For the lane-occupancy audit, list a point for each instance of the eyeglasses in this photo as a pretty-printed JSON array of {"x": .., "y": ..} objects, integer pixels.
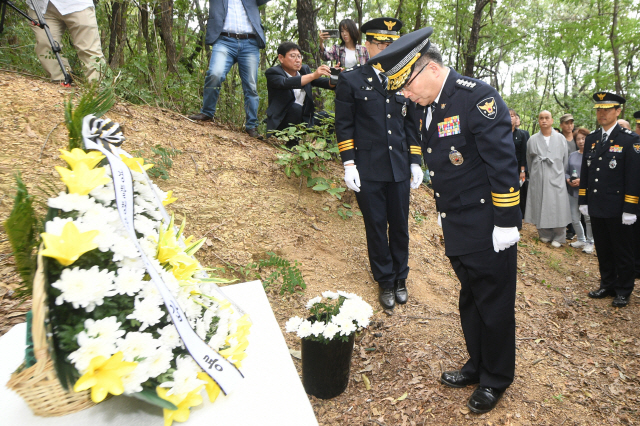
[
  {"x": 414, "y": 77},
  {"x": 294, "y": 56},
  {"x": 380, "y": 45}
]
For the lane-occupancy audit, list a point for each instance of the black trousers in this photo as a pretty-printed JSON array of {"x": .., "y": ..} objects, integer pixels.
[
  {"x": 636, "y": 237},
  {"x": 487, "y": 314},
  {"x": 616, "y": 258},
  {"x": 523, "y": 195},
  {"x": 382, "y": 204}
]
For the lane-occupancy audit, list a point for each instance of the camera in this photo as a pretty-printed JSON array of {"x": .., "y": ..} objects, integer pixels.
[{"x": 332, "y": 33}]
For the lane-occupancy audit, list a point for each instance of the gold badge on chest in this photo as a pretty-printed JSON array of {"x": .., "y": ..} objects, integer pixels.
[{"x": 455, "y": 157}]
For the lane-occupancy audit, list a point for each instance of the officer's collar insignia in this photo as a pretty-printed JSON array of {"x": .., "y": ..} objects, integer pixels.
[
  {"x": 370, "y": 79},
  {"x": 390, "y": 24},
  {"x": 601, "y": 95},
  {"x": 378, "y": 67},
  {"x": 488, "y": 108},
  {"x": 465, "y": 83},
  {"x": 442, "y": 106},
  {"x": 636, "y": 146}
]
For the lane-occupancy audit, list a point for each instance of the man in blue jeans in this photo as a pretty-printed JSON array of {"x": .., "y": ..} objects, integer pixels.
[{"x": 236, "y": 35}]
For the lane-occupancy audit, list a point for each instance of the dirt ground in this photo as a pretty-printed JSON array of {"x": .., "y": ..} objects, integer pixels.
[{"x": 578, "y": 360}]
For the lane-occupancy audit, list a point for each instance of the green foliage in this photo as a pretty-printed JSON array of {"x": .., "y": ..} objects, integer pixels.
[
  {"x": 418, "y": 217},
  {"x": 330, "y": 186},
  {"x": 347, "y": 212},
  {"x": 162, "y": 161},
  {"x": 23, "y": 229},
  {"x": 284, "y": 273},
  {"x": 95, "y": 100}
]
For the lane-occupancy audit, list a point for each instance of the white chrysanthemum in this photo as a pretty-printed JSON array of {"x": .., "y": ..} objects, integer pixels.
[
  {"x": 147, "y": 311},
  {"x": 190, "y": 308},
  {"x": 220, "y": 336},
  {"x": 149, "y": 246},
  {"x": 172, "y": 283},
  {"x": 313, "y": 301},
  {"x": 317, "y": 328},
  {"x": 106, "y": 328},
  {"x": 143, "y": 190},
  {"x": 169, "y": 336},
  {"x": 137, "y": 346},
  {"x": 129, "y": 281},
  {"x": 159, "y": 362},
  {"x": 342, "y": 319},
  {"x": 293, "y": 324},
  {"x": 69, "y": 202},
  {"x": 131, "y": 263},
  {"x": 123, "y": 247},
  {"x": 106, "y": 237},
  {"x": 185, "y": 378},
  {"x": 330, "y": 294},
  {"x": 358, "y": 310},
  {"x": 348, "y": 295},
  {"x": 330, "y": 330},
  {"x": 151, "y": 292},
  {"x": 347, "y": 328},
  {"x": 84, "y": 288},
  {"x": 102, "y": 216},
  {"x": 305, "y": 329},
  {"x": 104, "y": 193},
  {"x": 146, "y": 226},
  {"x": 56, "y": 225},
  {"x": 133, "y": 381},
  {"x": 89, "y": 349}
]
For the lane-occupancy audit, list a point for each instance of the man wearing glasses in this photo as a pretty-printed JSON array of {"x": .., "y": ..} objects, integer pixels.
[
  {"x": 378, "y": 142},
  {"x": 468, "y": 147}
]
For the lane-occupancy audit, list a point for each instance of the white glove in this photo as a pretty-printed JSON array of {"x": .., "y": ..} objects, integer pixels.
[
  {"x": 352, "y": 178},
  {"x": 439, "y": 220},
  {"x": 503, "y": 238},
  {"x": 628, "y": 218},
  {"x": 584, "y": 209},
  {"x": 417, "y": 174}
]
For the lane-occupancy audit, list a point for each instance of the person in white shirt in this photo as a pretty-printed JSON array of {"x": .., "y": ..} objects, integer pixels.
[{"x": 79, "y": 17}]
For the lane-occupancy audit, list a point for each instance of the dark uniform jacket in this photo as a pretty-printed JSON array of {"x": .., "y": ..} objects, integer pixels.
[
  {"x": 470, "y": 153},
  {"x": 610, "y": 174},
  {"x": 280, "y": 87},
  {"x": 376, "y": 129},
  {"x": 218, "y": 14}
]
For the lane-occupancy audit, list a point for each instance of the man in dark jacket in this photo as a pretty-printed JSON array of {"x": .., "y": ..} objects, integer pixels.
[
  {"x": 236, "y": 35},
  {"x": 289, "y": 85},
  {"x": 520, "y": 138}
]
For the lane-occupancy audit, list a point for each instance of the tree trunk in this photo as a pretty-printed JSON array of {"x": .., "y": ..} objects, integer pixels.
[
  {"x": 164, "y": 22},
  {"x": 472, "y": 45},
  {"x": 358, "y": 4},
  {"x": 419, "y": 16},
  {"x": 307, "y": 30},
  {"x": 144, "y": 23}
]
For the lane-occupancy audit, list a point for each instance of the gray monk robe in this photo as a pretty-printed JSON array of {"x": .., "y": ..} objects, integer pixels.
[{"x": 547, "y": 198}]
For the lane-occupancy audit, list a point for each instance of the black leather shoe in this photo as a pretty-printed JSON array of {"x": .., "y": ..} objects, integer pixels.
[
  {"x": 620, "y": 301},
  {"x": 484, "y": 399},
  {"x": 400, "y": 290},
  {"x": 601, "y": 293},
  {"x": 254, "y": 133},
  {"x": 200, "y": 117},
  {"x": 456, "y": 379},
  {"x": 387, "y": 298}
]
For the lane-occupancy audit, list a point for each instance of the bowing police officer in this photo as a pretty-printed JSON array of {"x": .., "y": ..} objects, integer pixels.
[
  {"x": 609, "y": 193},
  {"x": 468, "y": 147},
  {"x": 378, "y": 142},
  {"x": 636, "y": 115}
]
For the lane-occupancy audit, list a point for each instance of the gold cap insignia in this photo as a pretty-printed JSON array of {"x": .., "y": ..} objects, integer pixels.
[
  {"x": 390, "y": 24},
  {"x": 601, "y": 95},
  {"x": 378, "y": 67}
]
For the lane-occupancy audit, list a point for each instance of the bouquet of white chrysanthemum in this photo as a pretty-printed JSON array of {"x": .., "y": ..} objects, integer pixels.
[
  {"x": 111, "y": 330},
  {"x": 336, "y": 317}
]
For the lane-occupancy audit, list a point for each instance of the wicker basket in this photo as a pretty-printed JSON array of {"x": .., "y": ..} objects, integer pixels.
[{"x": 38, "y": 385}]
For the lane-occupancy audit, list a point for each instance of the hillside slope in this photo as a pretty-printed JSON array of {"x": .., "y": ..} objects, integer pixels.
[{"x": 578, "y": 359}]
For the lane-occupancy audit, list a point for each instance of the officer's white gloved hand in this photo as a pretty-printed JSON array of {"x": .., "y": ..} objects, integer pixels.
[
  {"x": 629, "y": 219},
  {"x": 503, "y": 238},
  {"x": 417, "y": 175},
  {"x": 584, "y": 209},
  {"x": 439, "y": 220},
  {"x": 352, "y": 178}
]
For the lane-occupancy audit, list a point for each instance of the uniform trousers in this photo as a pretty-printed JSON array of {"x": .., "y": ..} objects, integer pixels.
[
  {"x": 636, "y": 236},
  {"x": 85, "y": 36},
  {"x": 615, "y": 249},
  {"x": 385, "y": 203},
  {"x": 487, "y": 314}
]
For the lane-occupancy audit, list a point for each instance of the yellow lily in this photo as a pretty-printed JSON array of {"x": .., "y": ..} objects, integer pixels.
[
  {"x": 183, "y": 266},
  {"x": 135, "y": 164},
  {"x": 183, "y": 402},
  {"x": 82, "y": 180},
  {"x": 79, "y": 156},
  {"x": 212, "y": 388},
  {"x": 169, "y": 199},
  {"x": 235, "y": 354},
  {"x": 168, "y": 246},
  {"x": 69, "y": 246},
  {"x": 105, "y": 376}
]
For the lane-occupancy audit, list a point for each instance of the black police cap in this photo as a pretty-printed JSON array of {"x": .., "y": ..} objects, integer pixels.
[
  {"x": 636, "y": 115},
  {"x": 607, "y": 100},
  {"x": 398, "y": 60},
  {"x": 386, "y": 30}
]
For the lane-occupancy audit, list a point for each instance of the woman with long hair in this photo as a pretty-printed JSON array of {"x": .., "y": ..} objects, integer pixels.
[{"x": 349, "y": 52}]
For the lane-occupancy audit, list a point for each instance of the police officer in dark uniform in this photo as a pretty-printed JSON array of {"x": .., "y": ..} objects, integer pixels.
[
  {"x": 378, "y": 141},
  {"x": 636, "y": 115},
  {"x": 636, "y": 226},
  {"x": 609, "y": 191},
  {"x": 468, "y": 147}
]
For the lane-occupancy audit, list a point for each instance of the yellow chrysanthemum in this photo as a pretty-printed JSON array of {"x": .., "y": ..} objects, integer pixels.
[
  {"x": 79, "y": 156},
  {"x": 105, "y": 376},
  {"x": 169, "y": 199},
  {"x": 69, "y": 246},
  {"x": 183, "y": 402},
  {"x": 82, "y": 180},
  {"x": 135, "y": 164},
  {"x": 212, "y": 388}
]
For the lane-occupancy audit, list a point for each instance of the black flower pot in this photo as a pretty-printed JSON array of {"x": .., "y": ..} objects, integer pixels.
[{"x": 325, "y": 366}]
